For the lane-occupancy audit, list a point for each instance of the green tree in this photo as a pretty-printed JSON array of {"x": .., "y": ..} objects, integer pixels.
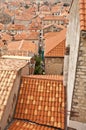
[
  {"x": 38, "y": 68},
  {"x": 26, "y": 6}
]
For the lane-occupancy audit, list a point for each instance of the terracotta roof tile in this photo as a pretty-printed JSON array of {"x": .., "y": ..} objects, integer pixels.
[
  {"x": 7, "y": 11},
  {"x": 22, "y": 125},
  {"x": 23, "y": 46},
  {"x": 24, "y": 16},
  {"x": 27, "y": 36},
  {"x": 41, "y": 101},
  {"x": 49, "y": 34},
  {"x": 44, "y": 8},
  {"x": 1, "y": 44},
  {"x": 21, "y": 36},
  {"x": 16, "y": 27},
  {"x": 13, "y": 45},
  {"x": 51, "y": 77},
  {"x": 51, "y": 17},
  {"x": 33, "y": 35},
  {"x": 1, "y": 26},
  {"x": 82, "y": 12},
  {"x": 29, "y": 46},
  {"x": 27, "y": 2},
  {"x": 56, "y": 8},
  {"x": 35, "y": 26},
  {"x": 55, "y": 45},
  {"x": 5, "y": 36},
  {"x": 7, "y": 78},
  {"x": 14, "y": 64},
  {"x": 58, "y": 51}
]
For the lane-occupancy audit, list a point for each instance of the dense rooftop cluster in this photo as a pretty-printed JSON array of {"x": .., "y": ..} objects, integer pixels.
[
  {"x": 29, "y": 28},
  {"x": 33, "y": 37}
]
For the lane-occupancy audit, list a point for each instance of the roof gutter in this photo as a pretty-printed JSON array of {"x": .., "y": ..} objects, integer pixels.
[{"x": 17, "y": 57}]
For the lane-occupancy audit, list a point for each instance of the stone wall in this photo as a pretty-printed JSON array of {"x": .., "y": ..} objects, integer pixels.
[
  {"x": 72, "y": 41},
  {"x": 79, "y": 94},
  {"x": 70, "y": 128},
  {"x": 54, "y": 65},
  {"x": 76, "y": 79},
  {"x": 51, "y": 29},
  {"x": 10, "y": 106}
]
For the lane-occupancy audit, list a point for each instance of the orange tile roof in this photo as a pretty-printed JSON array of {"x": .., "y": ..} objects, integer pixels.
[
  {"x": 38, "y": 19},
  {"x": 55, "y": 8},
  {"x": 44, "y": 8},
  {"x": 58, "y": 51},
  {"x": 22, "y": 125},
  {"x": 55, "y": 45},
  {"x": 51, "y": 17},
  {"x": 27, "y": 2},
  {"x": 31, "y": 10},
  {"x": 27, "y": 36},
  {"x": 6, "y": 36},
  {"x": 7, "y": 11},
  {"x": 24, "y": 17},
  {"x": 51, "y": 77},
  {"x": 64, "y": 13},
  {"x": 33, "y": 35},
  {"x": 41, "y": 101},
  {"x": 1, "y": 26},
  {"x": 35, "y": 26},
  {"x": 21, "y": 36},
  {"x": 29, "y": 46},
  {"x": 1, "y": 44},
  {"x": 23, "y": 45},
  {"x": 13, "y": 45},
  {"x": 16, "y": 27},
  {"x": 82, "y": 4},
  {"x": 50, "y": 34},
  {"x": 14, "y": 3},
  {"x": 44, "y": 13},
  {"x": 12, "y": 64},
  {"x": 7, "y": 78}
]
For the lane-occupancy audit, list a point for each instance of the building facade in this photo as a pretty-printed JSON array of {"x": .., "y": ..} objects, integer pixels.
[{"x": 75, "y": 67}]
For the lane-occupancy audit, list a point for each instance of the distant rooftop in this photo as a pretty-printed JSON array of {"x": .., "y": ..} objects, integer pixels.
[
  {"x": 82, "y": 12},
  {"x": 7, "y": 78},
  {"x": 15, "y": 64},
  {"x": 55, "y": 44}
]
